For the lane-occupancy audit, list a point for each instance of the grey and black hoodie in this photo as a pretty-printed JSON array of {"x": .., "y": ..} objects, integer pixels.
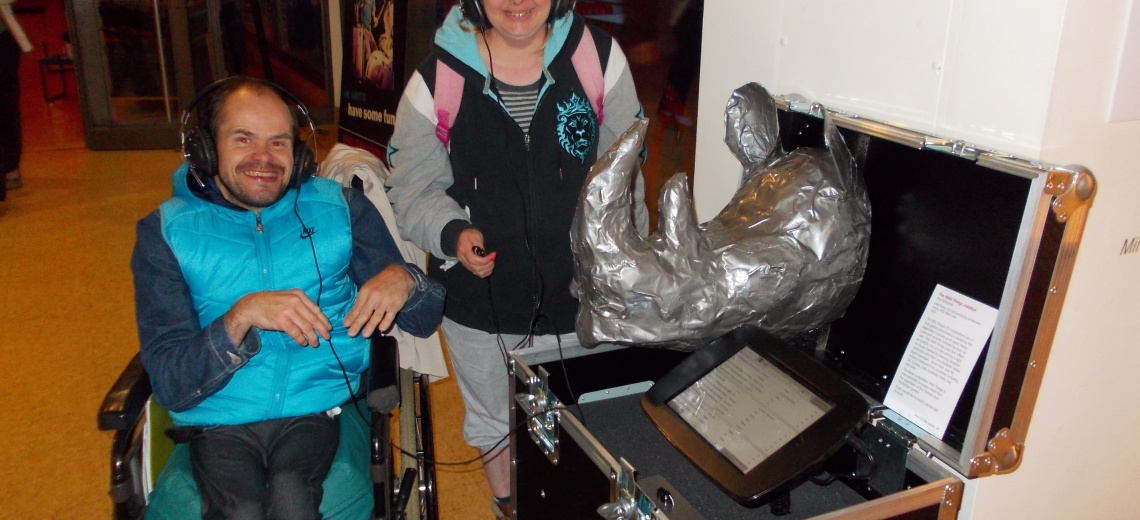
[{"x": 519, "y": 189}]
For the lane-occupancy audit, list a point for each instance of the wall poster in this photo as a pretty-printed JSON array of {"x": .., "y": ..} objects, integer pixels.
[{"x": 372, "y": 74}]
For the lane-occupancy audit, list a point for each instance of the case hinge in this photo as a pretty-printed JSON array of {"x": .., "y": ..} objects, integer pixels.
[
  {"x": 952, "y": 147},
  {"x": 798, "y": 103},
  {"x": 1072, "y": 187},
  {"x": 1003, "y": 455},
  {"x": 540, "y": 406}
]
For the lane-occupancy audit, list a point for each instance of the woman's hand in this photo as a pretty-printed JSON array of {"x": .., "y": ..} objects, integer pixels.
[{"x": 468, "y": 248}]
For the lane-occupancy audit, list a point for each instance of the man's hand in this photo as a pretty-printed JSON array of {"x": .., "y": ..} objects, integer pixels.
[
  {"x": 469, "y": 239},
  {"x": 378, "y": 301},
  {"x": 291, "y": 312}
]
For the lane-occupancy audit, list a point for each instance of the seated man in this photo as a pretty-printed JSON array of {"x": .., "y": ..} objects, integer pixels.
[{"x": 256, "y": 288}]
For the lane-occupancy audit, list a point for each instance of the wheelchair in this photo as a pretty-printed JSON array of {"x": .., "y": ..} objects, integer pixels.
[{"x": 364, "y": 481}]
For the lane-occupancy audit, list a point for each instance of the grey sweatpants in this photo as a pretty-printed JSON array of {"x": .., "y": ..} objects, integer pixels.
[{"x": 478, "y": 361}]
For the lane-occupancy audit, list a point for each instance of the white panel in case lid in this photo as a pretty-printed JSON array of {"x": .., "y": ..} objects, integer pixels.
[
  {"x": 880, "y": 59},
  {"x": 999, "y": 74}
]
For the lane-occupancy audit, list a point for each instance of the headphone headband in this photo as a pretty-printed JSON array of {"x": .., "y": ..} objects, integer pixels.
[
  {"x": 209, "y": 89},
  {"x": 198, "y": 146}
]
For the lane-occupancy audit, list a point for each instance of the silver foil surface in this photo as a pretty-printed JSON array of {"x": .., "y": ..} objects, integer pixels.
[{"x": 786, "y": 254}]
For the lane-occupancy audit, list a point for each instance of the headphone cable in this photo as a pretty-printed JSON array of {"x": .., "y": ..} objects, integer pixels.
[{"x": 307, "y": 233}]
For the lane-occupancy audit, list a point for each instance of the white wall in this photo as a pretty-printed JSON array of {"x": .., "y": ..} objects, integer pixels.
[
  {"x": 1082, "y": 455},
  {"x": 1027, "y": 77},
  {"x": 976, "y": 70}
]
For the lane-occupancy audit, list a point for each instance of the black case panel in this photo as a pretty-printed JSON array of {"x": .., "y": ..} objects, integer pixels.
[
  {"x": 571, "y": 490},
  {"x": 1023, "y": 342},
  {"x": 935, "y": 219}
]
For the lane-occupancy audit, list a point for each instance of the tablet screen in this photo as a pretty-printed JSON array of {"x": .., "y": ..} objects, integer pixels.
[{"x": 747, "y": 408}]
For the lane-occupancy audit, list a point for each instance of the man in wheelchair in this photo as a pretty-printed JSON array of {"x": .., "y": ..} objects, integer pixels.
[{"x": 256, "y": 288}]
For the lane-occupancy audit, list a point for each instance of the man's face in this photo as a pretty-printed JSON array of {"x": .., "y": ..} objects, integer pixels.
[{"x": 255, "y": 148}]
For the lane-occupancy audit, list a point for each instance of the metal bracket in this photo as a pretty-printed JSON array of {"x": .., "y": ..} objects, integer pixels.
[
  {"x": 798, "y": 103},
  {"x": 1003, "y": 455},
  {"x": 630, "y": 503},
  {"x": 951, "y": 501},
  {"x": 540, "y": 406},
  {"x": 1072, "y": 186}
]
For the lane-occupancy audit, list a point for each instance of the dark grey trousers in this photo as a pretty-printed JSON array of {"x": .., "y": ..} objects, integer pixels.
[{"x": 265, "y": 470}]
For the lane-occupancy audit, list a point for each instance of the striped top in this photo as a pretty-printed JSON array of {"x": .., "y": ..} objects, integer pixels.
[{"x": 520, "y": 101}]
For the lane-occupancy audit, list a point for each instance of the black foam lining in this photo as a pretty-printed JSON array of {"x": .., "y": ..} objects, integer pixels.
[{"x": 625, "y": 430}]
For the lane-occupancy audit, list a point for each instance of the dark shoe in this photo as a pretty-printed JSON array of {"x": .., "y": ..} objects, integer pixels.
[{"x": 504, "y": 510}]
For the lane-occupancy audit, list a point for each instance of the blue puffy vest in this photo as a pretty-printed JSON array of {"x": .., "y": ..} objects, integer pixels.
[{"x": 224, "y": 256}]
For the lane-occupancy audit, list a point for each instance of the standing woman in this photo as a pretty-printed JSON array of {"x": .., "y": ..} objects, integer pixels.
[{"x": 490, "y": 188}]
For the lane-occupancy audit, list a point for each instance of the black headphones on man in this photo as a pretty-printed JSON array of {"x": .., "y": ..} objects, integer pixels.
[
  {"x": 201, "y": 153},
  {"x": 473, "y": 12}
]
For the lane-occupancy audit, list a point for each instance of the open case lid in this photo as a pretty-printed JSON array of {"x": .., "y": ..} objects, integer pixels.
[{"x": 998, "y": 229}]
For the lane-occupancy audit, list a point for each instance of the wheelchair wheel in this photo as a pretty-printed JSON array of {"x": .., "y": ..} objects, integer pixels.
[{"x": 416, "y": 436}]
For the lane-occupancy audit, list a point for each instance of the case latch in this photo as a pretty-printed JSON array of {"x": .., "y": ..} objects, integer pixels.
[
  {"x": 540, "y": 406},
  {"x": 630, "y": 503},
  {"x": 1072, "y": 187}
]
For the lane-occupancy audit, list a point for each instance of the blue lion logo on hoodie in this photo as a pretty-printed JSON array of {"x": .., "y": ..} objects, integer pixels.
[{"x": 577, "y": 126}]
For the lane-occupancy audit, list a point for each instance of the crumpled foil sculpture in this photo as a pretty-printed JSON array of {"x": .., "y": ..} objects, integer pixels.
[{"x": 787, "y": 253}]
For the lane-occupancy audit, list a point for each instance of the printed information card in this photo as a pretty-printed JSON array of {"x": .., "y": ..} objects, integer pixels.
[{"x": 939, "y": 358}]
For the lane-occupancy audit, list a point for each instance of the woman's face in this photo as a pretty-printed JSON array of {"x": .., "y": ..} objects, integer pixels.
[{"x": 520, "y": 21}]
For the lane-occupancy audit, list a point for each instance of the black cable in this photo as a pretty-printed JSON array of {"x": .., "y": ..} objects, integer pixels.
[
  {"x": 537, "y": 279},
  {"x": 536, "y": 275},
  {"x": 307, "y": 233},
  {"x": 536, "y": 272},
  {"x": 495, "y": 321},
  {"x": 490, "y": 297},
  {"x": 566, "y": 376},
  {"x": 479, "y": 458}
]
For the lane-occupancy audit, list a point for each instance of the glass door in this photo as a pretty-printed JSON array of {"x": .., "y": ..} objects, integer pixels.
[
  {"x": 126, "y": 63},
  {"x": 139, "y": 61}
]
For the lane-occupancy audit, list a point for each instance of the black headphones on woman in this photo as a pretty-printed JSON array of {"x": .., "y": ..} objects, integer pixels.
[
  {"x": 201, "y": 153},
  {"x": 473, "y": 12}
]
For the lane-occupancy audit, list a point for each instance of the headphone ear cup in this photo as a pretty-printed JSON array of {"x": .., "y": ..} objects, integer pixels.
[
  {"x": 559, "y": 8},
  {"x": 198, "y": 148},
  {"x": 473, "y": 11},
  {"x": 304, "y": 166}
]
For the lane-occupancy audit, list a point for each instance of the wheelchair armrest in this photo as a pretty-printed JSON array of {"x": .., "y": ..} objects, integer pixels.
[
  {"x": 125, "y": 400},
  {"x": 383, "y": 374}
]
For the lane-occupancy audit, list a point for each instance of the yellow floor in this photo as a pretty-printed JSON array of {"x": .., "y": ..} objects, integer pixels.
[{"x": 67, "y": 314}]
